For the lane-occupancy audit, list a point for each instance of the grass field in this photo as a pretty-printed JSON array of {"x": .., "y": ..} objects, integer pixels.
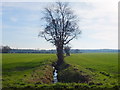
[
  {"x": 107, "y": 62},
  {"x": 26, "y": 68},
  {"x": 22, "y": 69},
  {"x": 102, "y": 68}
]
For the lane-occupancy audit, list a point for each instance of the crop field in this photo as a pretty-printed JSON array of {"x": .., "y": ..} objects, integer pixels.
[{"x": 36, "y": 69}]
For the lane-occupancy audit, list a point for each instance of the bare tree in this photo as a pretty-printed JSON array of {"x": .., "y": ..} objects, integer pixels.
[
  {"x": 67, "y": 50},
  {"x": 5, "y": 49},
  {"x": 61, "y": 27}
]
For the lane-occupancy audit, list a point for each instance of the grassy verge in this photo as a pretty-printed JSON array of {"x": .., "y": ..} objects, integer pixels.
[{"x": 60, "y": 86}]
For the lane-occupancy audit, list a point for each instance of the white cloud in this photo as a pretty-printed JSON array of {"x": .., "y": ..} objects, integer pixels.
[
  {"x": 13, "y": 19},
  {"x": 106, "y": 36},
  {"x": 102, "y": 20}
]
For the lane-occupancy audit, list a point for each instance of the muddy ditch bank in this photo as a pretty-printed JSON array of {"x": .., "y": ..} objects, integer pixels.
[
  {"x": 46, "y": 74},
  {"x": 41, "y": 75}
]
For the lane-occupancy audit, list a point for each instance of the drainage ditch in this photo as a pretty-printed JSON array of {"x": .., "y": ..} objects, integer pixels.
[{"x": 55, "y": 74}]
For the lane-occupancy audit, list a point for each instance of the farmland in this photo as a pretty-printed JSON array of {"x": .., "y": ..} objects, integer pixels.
[
  {"x": 102, "y": 68},
  {"x": 19, "y": 69},
  {"x": 93, "y": 69}
]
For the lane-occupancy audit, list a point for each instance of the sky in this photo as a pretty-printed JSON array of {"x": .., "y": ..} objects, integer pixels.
[{"x": 98, "y": 21}]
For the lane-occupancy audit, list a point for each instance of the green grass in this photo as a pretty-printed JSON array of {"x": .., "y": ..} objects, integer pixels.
[
  {"x": 98, "y": 61},
  {"x": 10, "y": 61},
  {"x": 102, "y": 68},
  {"x": 26, "y": 68},
  {"x": 33, "y": 70}
]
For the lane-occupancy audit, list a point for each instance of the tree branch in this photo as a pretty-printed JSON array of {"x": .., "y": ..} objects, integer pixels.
[{"x": 69, "y": 40}]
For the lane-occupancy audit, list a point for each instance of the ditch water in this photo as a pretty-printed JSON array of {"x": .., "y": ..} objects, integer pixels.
[{"x": 55, "y": 79}]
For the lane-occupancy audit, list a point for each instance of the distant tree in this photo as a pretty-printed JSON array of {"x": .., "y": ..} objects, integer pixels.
[
  {"x": 61, "y": 27},
  {"x": 67, "y": 50},
  {"x": 0, "y": 49},
  {"x": 77, "y": 50},
  {"x": 5, "y": 49}
]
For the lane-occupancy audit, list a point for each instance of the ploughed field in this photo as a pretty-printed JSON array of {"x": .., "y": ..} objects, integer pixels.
[{"x": 84, "y": 70}]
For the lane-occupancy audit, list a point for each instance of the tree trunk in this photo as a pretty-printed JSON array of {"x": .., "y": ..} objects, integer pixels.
[{"x": 60, "y": 55}]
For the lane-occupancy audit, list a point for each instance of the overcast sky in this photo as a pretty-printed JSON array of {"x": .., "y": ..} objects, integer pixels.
[{"x": 98, "y": 21}]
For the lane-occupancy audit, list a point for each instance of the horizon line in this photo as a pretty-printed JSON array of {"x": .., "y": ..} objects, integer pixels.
[{"x": 71, "y": 48}]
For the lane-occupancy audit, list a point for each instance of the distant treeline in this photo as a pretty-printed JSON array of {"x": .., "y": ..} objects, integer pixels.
[
  {"x": 54, "y": 51},
  {"x": 31, "y": 51},
  {"x": 7, "y": 49}
]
